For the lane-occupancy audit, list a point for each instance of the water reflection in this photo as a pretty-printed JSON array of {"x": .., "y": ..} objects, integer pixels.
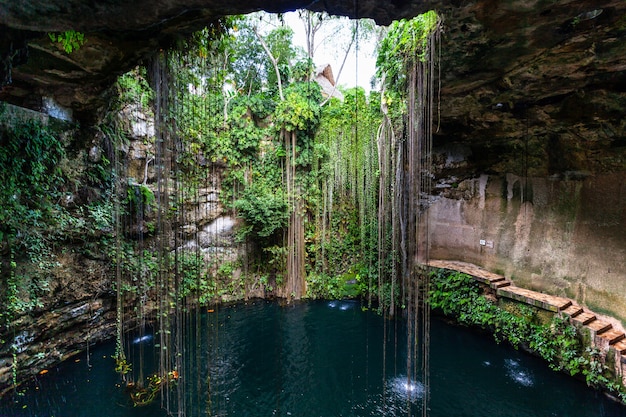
[
  {"x": 518, "y": 374},
  {"x": 142, "y": 339},
  {"x": 318, "y": 359},
  {"x": 406, "y": 390},
  {"x": 343, "y": 305}
]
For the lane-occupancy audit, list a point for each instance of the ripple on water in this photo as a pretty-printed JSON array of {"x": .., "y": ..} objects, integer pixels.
[
  {"x": 401, "y": 394},
  {"x": 342, "y": 304},
  {"x": 517, "y": 373},
  {"x": 406, "y": 390}
]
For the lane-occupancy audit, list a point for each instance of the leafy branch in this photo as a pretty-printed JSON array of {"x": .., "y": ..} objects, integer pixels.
[{"x": 71, "y": 40}]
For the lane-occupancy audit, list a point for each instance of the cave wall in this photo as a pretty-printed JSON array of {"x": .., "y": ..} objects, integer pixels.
[
  {"x": 563, "y": 237},
  {"x": 76, "y": 302}
]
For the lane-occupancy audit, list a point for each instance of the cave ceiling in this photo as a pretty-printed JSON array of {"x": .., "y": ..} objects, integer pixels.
[{"x": 546, "y": 76}]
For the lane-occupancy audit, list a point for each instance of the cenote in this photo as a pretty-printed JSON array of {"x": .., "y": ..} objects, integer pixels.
[{"x": 319, "y": 358}]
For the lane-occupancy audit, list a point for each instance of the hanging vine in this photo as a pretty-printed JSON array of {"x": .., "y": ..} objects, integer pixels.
[{"x": 406, "y": 64}]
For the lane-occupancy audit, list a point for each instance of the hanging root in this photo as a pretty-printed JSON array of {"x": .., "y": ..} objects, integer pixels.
[{"x": 141, "y": 396}]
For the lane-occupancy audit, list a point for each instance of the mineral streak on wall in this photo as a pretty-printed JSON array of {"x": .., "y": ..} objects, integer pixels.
[{"x": 563, "y": 237}]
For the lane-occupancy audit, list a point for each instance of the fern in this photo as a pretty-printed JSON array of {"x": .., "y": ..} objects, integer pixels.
[{"x": 71, "y": 40}]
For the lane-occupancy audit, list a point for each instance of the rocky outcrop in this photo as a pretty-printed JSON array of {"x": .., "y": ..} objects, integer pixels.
[
  {"x": 55, "y": 335},
  {"x": 73, "y": 303},
  {"x": 510, "y": 69},
  {"x": 535, "y": 88}
]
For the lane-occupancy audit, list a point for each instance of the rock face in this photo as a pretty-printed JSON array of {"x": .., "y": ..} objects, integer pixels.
[
  {"x": 508, "y": 66},
  {"x": 530, "y": 142},
  {"x": 76, "y": 307},
  {"x": 536, "y": 88},
  {"x": 562, "y": 237},
  {"x": 53, "y": 336},
  {"x": 531, "y": 148}
]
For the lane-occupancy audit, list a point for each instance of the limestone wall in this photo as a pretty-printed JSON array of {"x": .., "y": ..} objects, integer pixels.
[{"x": 563, "y": 237}]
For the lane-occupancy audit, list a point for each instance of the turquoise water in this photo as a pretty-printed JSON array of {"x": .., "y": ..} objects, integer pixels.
[{"x": 319, "y": 359}]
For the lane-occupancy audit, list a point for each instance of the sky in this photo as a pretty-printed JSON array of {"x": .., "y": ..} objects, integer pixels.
[{"x": 332, "y": 52}]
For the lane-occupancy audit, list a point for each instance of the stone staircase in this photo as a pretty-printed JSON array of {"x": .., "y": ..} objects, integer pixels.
[
  {"x": 601, "y": 331},
  {"x": 604, "y": 330}
]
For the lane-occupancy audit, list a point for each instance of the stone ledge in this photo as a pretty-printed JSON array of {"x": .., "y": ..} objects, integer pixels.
[
  {"x": 537, "y": 299},
  {"x": 584, "y": 318}
]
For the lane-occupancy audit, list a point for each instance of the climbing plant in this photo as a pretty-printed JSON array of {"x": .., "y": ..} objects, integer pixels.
[
  {"x": 30, "y": 156},
  {"x": 405, "y": 44},
  {"x": 346, "y": 167},
  {"x": 70, "y": 40}
]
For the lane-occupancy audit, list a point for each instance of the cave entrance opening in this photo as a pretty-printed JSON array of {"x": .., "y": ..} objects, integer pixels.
[{"x": 318, "y": 177}]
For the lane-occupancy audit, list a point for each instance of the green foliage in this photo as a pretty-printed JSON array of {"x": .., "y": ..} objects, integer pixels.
[
  {"x": 559, "y": 343},
  {"x": 389, "y": 292},
  {"x": 300, "y": 111},
  {"x": 244, "y": 135},
  {"x": 405, "y": 43},
  {"x": 345, "y": 164},
  {"x": 71, "y": 40},
  {"x": 348, "y": 285},
  {"x": 133, "y": 88},
  {"x": 260, "y": 106},
  {"x": 30, "y": 155},
  {"x": 101, "y": 215},
  {"x": 29, "y": 158},
  {"x": 248, "y": 63},
  {"x": 229, "y": 283},
  {"x": 251, "y": 68},
  {"x": 139, "y": 198},
  {"x": 303, "y": 70},
  {"x": 461, "y": 296},
  {"x": 275, "y": 261},
  {"x": 264, "y": 208},
  {"x": 324, "y": 286},
  {"x": 195, "y": 280}
]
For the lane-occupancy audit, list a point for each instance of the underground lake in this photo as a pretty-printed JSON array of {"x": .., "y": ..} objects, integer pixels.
[{"x": 315, "y": 358}]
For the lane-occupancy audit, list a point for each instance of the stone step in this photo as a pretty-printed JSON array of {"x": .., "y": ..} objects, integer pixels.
[
  {"x": 584, "y": 318},
  {"x": 620, "y": 346},
  {"x": 537, "y": 299},
  {"x": 599, "y": 326},
  {"x": 613, "y": 336},
  {"x": 500, "y": 284},
  {"x": 477, "y": 272},
  {"x": 573, "y": 310}
]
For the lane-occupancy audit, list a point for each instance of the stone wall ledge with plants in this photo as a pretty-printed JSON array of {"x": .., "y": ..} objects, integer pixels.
[
  {"x": 565, "y": 345},
  {"x": 50, "y": 337}
]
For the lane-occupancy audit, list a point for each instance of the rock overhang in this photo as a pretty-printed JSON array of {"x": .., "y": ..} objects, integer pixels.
[{"x": 509, "y": 68}]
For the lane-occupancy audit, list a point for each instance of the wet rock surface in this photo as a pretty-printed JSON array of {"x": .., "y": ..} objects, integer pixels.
[{"x": 52, "y": 336}]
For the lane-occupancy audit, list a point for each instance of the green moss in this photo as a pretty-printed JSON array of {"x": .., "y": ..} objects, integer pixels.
[
  {"x": 605, "y": 302},
  {"x": 568, "y": 201}
]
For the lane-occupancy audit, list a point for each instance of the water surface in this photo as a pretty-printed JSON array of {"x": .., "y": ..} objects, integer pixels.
[{"x": 318, "y": 359}]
